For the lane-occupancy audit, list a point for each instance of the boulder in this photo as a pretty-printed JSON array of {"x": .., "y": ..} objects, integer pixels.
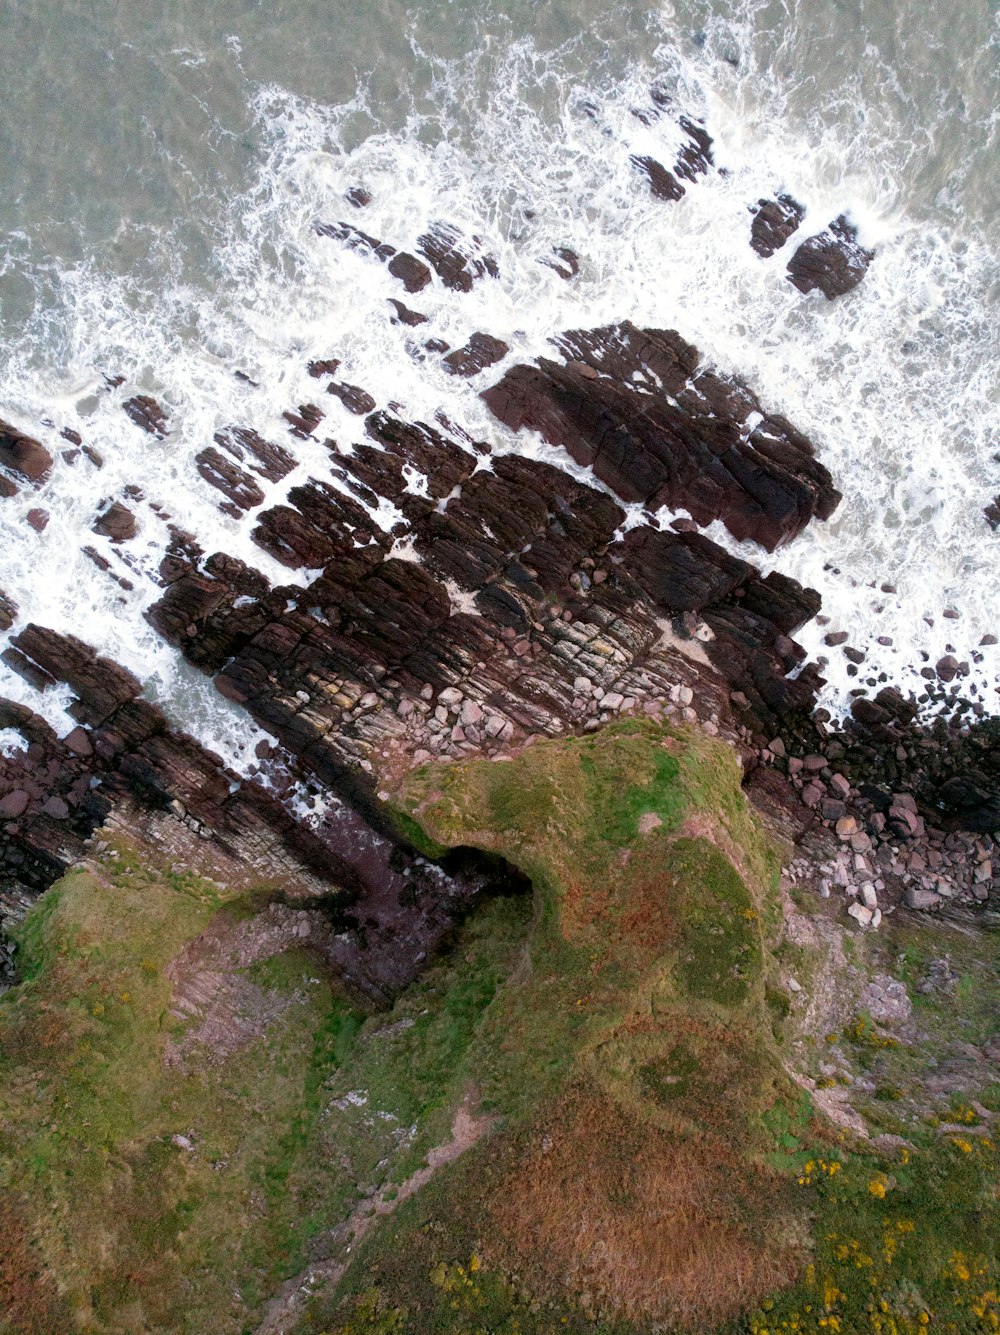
[
  {"x": 23, "y": 454},
  {"x": 482, "y": 350},
  {"x": 833, "y": 261},
  {"x": 774, "y": 222},
  {"x": 117, "y": 522}
]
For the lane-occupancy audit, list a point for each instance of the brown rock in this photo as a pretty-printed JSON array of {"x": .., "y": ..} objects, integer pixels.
[
  {"x": 832, "y": 261},
  {"x": 459, "y": 261},
  {"x": 117, "y": 523},
  {"x": 78, "y": 741},
  {"x": 405, "y": 316},
  {"x": 14, "y": 804},
  {"x": 146, "y": 413},
  {"x": 774, "y": 222},
  {"x": 22, "y": 454},
  {"x": 565, "y": 262},
  {"x": 482, "y": 350},
  {"x": 680, "y": 442}
]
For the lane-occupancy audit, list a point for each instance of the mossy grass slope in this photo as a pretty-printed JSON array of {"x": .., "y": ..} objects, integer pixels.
[
  {"x": 145, "y": 1196},
  {"x": 651, "y": 1166},
  {"x": 630, "y": 1060}
]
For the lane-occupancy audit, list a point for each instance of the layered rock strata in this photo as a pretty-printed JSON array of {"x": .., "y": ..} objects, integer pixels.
[{"x": 636, "y": 406}]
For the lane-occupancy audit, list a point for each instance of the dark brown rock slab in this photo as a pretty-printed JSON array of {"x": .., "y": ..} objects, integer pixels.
[
  {"x": 318, "y": 524},
  {"x": 100, "y": 685},
  {"x": 411, "y": 272},
  {"x": 832, "y": 262},
  {"x": 146, "y": 413},
  {"x": 355, "y": 399},
  {"x": 404, "y": 315},
  {"x": 632, "y": 405},
  {"x": 694, "y": 157},
  {"x": 23, "y": 455},
  {"x": 459, "y": 261},
  {"x": 8, "y": 611},
  {"x": 774, "y": 221},
  {"x": 240, "y": 489},
  {"x": 304, "y": 420},
  {"x": 481, "y": 351},
  {"x": 271, "y": 461},
  {"x": 662, "y": 181},
  {"x": 117, "y": 522},
  {"x": 564, "y": 261}
]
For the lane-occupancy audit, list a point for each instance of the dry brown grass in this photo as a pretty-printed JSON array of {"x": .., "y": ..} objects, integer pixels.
[
  {"x": 29, "y": 1304},
  {"x": 652, "y": 1226}
]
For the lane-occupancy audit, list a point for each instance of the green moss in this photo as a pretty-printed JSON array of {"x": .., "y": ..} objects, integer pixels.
[
  {"x": 719, "y": 949},
  {"x": 642, "y": 985},
  {"x": 143, "y": 1230}
]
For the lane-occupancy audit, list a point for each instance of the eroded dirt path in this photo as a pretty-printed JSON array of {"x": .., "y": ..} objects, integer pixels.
[{"x": 467, "y": 1127}]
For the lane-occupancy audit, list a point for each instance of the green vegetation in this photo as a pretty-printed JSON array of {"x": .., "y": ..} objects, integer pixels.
[
  {"x": 164, "y": 1188},
  {"x": 150, "y": 1180},
  {"x": 629, "y": 1060},
  {"x": 607, "y": 1054}
]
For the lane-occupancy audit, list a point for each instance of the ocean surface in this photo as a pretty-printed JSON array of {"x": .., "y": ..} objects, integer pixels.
[{"x": 163, "y": 165}]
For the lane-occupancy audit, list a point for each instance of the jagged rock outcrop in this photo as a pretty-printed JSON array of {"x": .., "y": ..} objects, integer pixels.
[
  {"x": 8, "y": 610},
  {"x": 146, "y": 413},
  {"x": 774, "y": 221},
  {"x": 693, "y": 158},
  {"x": 261, "y": 456},
  {"x": 633, "y": 405},
  {"x": 833, "y": 261},
  {"x": 459, "y": 261},
  {"x": 414, "y": 274},
  {"x": 23, "y": 455},
  {"x": 117, "y": 522},
  {"x": 481, "y": 351}
]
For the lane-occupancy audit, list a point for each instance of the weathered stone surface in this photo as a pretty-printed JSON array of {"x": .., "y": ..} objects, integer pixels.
[
  {"x": 458, "y": 261},
  {"x": 694, "y": 157},
  {"x": 406, "y": 316},
  {"x": 23, "y": 455},
  {"x": 832, "y": 261},
  {"x": 353, "y": 397},
  {"x": 117, "y": 522},
  {"x": 482, "y": 350},
  {"x": 270, "y": 461},
  {"x": 8, "y": 611},
  {"x": 240, "y": 489},
  {"x": 565, "y": 262},
  {"x": 100, "y": 685},
  {"x": 146, "y": 413},
  {"x": 632, "y": 405},
  {"x": 411, "y": 272},
  {"x": 774, "y": 221}
]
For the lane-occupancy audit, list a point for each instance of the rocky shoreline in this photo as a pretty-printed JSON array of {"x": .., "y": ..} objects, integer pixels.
[{"x": 509, "y": 601}]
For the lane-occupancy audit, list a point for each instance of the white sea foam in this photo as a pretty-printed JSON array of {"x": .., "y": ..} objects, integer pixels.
[{"x": 896, "y": 383}]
